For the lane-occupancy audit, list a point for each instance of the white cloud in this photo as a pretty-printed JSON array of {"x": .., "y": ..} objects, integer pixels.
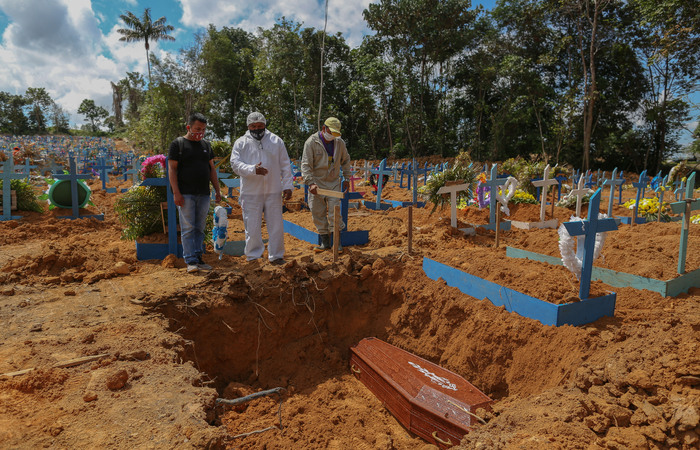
[
  {"x": 345, "y": 17},
  {"x": 57, "y": 45}
]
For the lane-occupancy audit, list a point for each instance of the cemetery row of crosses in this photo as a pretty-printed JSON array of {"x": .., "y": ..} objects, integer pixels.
[{"x": 562, "y": 256}]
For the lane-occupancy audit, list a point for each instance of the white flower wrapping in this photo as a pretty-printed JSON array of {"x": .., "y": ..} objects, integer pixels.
[{"x": 573, "y": 259}]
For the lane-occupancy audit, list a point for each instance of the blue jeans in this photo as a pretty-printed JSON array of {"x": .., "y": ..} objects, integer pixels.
[{"x": 193, "y": 221}]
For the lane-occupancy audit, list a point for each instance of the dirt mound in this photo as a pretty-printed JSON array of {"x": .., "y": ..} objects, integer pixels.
[{"x": 155, "y": 346}]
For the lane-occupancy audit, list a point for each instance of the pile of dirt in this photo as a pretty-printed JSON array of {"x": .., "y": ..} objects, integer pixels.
[{"x": 165, "y": 343}]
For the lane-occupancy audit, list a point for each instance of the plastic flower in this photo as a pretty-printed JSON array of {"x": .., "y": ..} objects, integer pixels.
[
  {"x": 150, "y": 169},
  {"x": 695, "y": 219}
]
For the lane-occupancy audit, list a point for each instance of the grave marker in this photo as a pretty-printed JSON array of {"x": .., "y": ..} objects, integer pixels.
[
  {"x": 661, "y": 190},
  {"x": 544, "y": 183},
  {"x": 493, "y": 184},
  {"x": 612, "y": 182},
  {"x": 158, "y": 251},
  {"x": 8, "y": 174},
  {"x": 685, "y": 207},
  {"x": 579, "y": 192},
  {"x": 73, "y": 176},
  {"x": 589, "y": 229},
  {"x": 103, "y": 166},
  {"x": 641, "y": 186},
  {"x": 453, "y": 190}
]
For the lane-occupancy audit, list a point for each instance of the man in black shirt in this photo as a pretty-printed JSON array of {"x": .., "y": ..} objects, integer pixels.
[{"x": 191, "y": 168}]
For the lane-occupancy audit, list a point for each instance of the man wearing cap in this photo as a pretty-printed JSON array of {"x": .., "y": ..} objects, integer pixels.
[
  {"x": 325, "y": 155},
  {"x": 260, "y": 158}
]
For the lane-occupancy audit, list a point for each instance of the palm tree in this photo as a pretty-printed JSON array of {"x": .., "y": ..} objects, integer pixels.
[{"x": 144, "y": 30}]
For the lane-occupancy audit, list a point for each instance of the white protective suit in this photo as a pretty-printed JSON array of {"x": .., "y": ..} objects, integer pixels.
[
  {"x": 262, "y": 193},
  {"x": 315, "y": 169}
]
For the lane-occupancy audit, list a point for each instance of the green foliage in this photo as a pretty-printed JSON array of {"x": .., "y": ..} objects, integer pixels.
[
  {"x": 27, "y": 200},
  {"x": 460, "y": 172}
]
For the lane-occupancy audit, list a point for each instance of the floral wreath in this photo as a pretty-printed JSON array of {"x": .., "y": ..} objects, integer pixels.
[{"x": 566, "y": 246}]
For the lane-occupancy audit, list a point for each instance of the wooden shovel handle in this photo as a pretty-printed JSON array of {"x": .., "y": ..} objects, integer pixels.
[{"x": 447, "y": 442}]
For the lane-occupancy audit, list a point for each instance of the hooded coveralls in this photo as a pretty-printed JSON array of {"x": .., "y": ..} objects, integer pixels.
[
  {"x": 262, "y": 193},
  {"x": 317, "y": 167}
]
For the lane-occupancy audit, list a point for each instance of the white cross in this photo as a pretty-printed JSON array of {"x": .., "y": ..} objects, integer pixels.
[
  {"x": 544, "y": 183},
  {"x": 452, "y": 190},
  {"x": 579, "y": 193}
]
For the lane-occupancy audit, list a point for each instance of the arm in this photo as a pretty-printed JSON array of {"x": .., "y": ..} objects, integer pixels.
[
  {"x": 285, "y": 171},
  {"x": 214, "y": 180},
  {"x": 345, "y": 167},
  {"x": 172, "y": 177},
  {"x": 241, "y": 168},
  {"x": 307, "y": 164}
]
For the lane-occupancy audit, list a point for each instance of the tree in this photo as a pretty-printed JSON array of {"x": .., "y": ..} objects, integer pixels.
[
  {"x": 12, "y": 119},
  {"x": 668, "y": 45},
  {"x": 40, "y": 103},
  {"x": 227, "y": 67},
  {"x": 92, "y": 112},
  {"x": 421, "y": 37},
  {"x": 144, "y": 30}
]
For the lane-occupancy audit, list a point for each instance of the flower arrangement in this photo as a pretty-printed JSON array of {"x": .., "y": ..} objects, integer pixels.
[
  {"x": 153, "y": 167},
  {"x": 695, "y": 219},
  {"x": 569, "y": 201},
  {"x": 139, "y": 208},
  {"x": 27, "y": 200},
  {"x": 523, "y": 197},
  {"x": 649, "y": 208},
  {"x": 461, "y": 172}
]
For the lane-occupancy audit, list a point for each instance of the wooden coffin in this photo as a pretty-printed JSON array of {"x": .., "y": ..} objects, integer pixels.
[{"x": 428, "y": 400}]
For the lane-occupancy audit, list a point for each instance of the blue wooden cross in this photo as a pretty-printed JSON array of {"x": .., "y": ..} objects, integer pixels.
[
  {"x": 54, "y": 167},
  {"x": 641, "y": 186},
  {"x": 133, "y": 171},
  {"x": 589, "y": 229},
  {"x": 172, "y": 225},
  {"x": 494, "y": 183},
  {"x": 220, "y": 176},
  {"x": 612, "y": 182},
  {"x": 681, "y": 189},
  {"x": 232, "y": 183},
  {"x": 380, "y": 172},
  {"x": 661, "y": 190},
  {"x": 590, "y": 184},
  {"x": 74, "y": 176},
  {"x": 685, "y": 207},
  {"x": 25, "y": 168},
  {"x": 103, "y": 167},
  {"x": 403, "y": 172},
  {"x": 8, "y": 174}
]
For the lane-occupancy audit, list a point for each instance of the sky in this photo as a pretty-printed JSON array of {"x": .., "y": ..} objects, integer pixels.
[{"x": 72, "y": 49}]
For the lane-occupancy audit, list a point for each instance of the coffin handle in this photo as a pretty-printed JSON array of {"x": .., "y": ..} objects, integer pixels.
[
  {"x": 355, "y": 369},
  {"x": 447, "y": 442}
]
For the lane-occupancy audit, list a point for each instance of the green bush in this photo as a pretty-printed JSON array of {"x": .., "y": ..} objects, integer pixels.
[{"x": 27, "y": 200}]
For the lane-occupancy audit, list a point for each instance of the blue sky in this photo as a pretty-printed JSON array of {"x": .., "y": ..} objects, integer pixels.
[{"x": 71, "y": 47}]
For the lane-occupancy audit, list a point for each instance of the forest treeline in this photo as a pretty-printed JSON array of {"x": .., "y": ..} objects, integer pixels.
[{"x": 603, "y": 83}]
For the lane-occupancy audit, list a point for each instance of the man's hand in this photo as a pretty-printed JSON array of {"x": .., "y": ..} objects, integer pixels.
[
  {"x": 287, "y": 194},
  {"x": 260, "y": 170},
  {"x": 179, "y": 199},
  {"x": 346, "y": 186},
  {"x": 218, "y": 196},
  {"x": 313, "y": 188}
]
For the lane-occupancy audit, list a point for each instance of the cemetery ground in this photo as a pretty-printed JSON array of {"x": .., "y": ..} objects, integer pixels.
[{"x": 133, "y": 354}]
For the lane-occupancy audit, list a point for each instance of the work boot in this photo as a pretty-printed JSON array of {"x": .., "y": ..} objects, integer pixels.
[{"x": 325, "y": 243}]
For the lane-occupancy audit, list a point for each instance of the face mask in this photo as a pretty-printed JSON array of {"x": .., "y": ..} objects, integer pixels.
[
  {"x": 196, "y": 136},
  {"x": 257, "y": 134},
  {"x": 328, "y": 137}
]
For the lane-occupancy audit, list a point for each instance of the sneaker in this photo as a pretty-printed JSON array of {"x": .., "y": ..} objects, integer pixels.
[
  {"x": 203, "y": 266},
  {"x": 192, "y": 268},
  {"x": 278, "y": 261}
]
